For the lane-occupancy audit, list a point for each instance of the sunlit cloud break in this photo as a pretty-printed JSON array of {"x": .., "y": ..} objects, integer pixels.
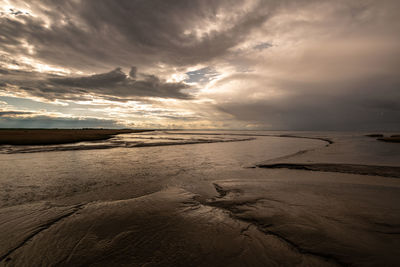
[{"x": 245, "y": 64}]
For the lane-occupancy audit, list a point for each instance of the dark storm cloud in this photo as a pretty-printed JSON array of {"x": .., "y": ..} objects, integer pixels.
[
  {"x": 98, "y": 34},
  {"x": 114, "y": 85},
  {"x": 13, "y": 113},
  {"x": 97, "y": 80},
  {"x": 335, "y": 114},
  {"x": 341, "y": 72},
  {"x": 3, "y": 71},
  {"x": 371, "y": 104},
  {"x": 118, "y": 83}
]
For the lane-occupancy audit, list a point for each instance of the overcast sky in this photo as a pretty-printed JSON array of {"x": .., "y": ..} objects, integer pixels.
[{"x": 245, "y": 64}]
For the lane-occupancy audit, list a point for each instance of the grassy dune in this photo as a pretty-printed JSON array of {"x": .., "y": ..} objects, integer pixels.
[{"x": 57, "y": 136}]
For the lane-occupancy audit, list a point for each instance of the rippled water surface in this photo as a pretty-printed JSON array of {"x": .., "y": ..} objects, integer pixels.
[{"x": 143, "y": 162}]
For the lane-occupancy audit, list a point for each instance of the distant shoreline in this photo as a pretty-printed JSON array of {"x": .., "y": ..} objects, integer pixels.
[{"x": 58, "y": 136}]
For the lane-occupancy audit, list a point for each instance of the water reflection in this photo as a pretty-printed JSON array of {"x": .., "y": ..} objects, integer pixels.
[{"x": 27, "y": 177}]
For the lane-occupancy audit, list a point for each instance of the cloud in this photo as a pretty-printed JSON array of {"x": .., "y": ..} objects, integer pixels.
[
  {"x": 114, "y": 84},
  {"x": 334, "y": 67},
  {"x": 98, "y": 80},
  {"x": 95, "y": 36},
  {"x": 244, "y": 63},
  {"x": 305, "y": 101},
  {"x": 54, "y": 122},
  {"x": 313, "y": 113},
  {"x": 14, "y": 113},
  {"x": 117, "y": 83},
  {"x": 262, "y": 46}
]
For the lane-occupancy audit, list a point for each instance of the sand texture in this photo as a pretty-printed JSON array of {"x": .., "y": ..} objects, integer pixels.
[{"x": 320, "y": 206}]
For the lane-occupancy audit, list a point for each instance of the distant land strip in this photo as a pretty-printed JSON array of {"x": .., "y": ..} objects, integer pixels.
[
  {"x": 375, "y": 170},
  {"x": 391, "y": 139},
  {"x": 58, "y": 136},
  {"x": 380, "y": 137}
]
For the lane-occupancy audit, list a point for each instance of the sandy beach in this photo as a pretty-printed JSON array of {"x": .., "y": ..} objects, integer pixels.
[{"x": 316, "y": 205}]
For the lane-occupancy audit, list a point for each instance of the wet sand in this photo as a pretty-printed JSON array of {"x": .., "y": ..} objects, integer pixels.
[
  {"x": 57, "y": 136},
  {"x": 311, "y": 216},
  {"x": 385, "y": 171}
]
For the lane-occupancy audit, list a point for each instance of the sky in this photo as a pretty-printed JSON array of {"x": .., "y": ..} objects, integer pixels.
[{"x": 200, "y": 64}]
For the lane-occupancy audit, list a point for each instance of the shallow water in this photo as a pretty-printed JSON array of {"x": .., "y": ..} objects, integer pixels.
[
  {"x": 145, "y": 139},
  {"x": 27, "y": 177}
]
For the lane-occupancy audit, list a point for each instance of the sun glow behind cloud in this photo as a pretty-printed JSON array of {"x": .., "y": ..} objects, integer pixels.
[{"x": 218, "y": 64}]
